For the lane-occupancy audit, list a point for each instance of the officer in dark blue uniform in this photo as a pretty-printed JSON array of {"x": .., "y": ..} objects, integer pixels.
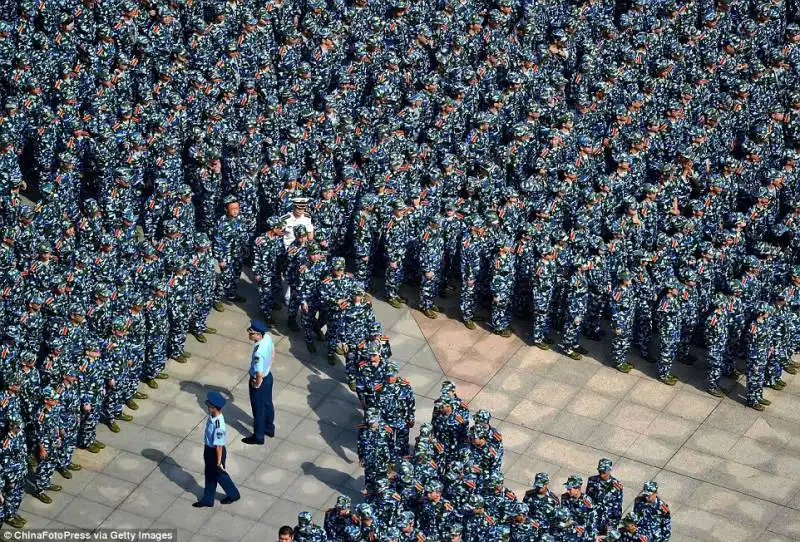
[{"x": 214, "y": 455}]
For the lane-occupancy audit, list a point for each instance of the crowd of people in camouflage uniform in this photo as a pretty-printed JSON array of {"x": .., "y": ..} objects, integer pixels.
[
  {"x": 450, "y": 487},
  {"x": 563, "y": 161}
]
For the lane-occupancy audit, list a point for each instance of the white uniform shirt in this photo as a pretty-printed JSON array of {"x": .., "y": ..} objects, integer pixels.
[{"x": 290, "y": 222}]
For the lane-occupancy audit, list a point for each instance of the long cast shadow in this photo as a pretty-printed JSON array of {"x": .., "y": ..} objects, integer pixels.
[
  {"x": 338, "y": 481},
  {"x": 173, "y": 471},
  {"x": 317, "y": 387}
]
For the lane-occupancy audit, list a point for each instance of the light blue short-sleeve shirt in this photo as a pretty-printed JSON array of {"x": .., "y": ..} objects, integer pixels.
[
  {"x": 216, "y": 431},
  {"x": 261, "y": 361}
]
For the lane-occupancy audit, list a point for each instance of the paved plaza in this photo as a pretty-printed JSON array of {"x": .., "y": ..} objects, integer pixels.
[{"x": 728, "y": 473}]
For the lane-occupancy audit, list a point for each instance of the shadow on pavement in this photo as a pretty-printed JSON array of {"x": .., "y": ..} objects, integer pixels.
[
  {"x": 173, "y": 471},
  {"x": 338, "y": 481}
]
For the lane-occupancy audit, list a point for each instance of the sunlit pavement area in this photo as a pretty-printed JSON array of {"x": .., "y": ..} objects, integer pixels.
[{"x": 728, "y": 472}]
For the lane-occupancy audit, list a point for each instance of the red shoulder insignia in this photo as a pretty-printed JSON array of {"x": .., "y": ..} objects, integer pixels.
[{"x": 664, "y": 508}]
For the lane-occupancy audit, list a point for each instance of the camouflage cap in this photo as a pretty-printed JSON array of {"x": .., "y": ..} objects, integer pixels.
[
  {"x": 541, "y": 479},
  {"x": 365, "y": 510},
  {"x": 631, "y": 518},
  {"x": 404, "y": 519},
  {"x": 649, "y": 487},
  {"x": 573, "y": 481},
  {"x": 50, "y": 393}
]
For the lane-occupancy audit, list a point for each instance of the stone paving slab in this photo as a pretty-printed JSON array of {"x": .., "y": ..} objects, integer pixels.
[{"x": 728, "y": 472}]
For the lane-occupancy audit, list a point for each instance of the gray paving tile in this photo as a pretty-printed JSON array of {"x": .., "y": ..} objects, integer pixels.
[
  {"x": 152, "y": 439},
  {"x": 309, "y": 491},
  {"x": 291, "y": 456},
  {"x": 574, "y": 374},
  {"x": 571, "y": 427},
  {"x": 284, "y": 511},
  {"x": 516, "y": 438},
  {"x": 147, "y": 502},
  {"x": 691, "y": 405},
  {"x": 31, "y": 506},
  {"x": 426, "y": 359},
  {"x": 407, "y": 326},
  {"x": 295, "y": 400},
  {"x": 338, "y": 412},
  {"x": 405, "y": 347},
  {"x": 731, "y": 417},
  {"x": 36, "y": 522},
  {"x": 631, "y": 416},
  {"x": 121, "y": 519},
  {"x": 513, "y": 381},
  {"x": 225, "y": 525},
  {"x": 79, "y": 480},
  {"x": 171, "y": 479},
  {"x": 499, "y": 403},
  {"x": 552, "y": 393},
  {"x": 532, "y": 415},
  {"x": 614, "y": 439},
  {"x": 107, "y": 490},
  {"x": 652, "y": 450},
  {"x": 260, "y": 532},
  {"x": 148, "y": 409},
  {"x": 651, "y": 393},
  {"x": 84, "y": 513},
  {"x": 733, "y": 505},
  {"x": 182, "y": 515},
  {"x": 669, "y": 428},
  {"x": 608, "y": 381},
  {"x": 271, "y": 479},
  {"x": 592, "y": 404}
]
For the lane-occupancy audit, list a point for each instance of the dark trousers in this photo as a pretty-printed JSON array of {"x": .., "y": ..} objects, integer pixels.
[
  {"x": 215, "y": 475},
  {"x": 263, "y": 410}
]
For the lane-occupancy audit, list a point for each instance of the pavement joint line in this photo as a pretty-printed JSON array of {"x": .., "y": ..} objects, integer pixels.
[{"x": 157, "y": 466}]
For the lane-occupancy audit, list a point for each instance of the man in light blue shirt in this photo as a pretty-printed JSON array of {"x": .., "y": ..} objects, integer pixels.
[
  {"x": 215, "y": 455},
  {"x": 261, "y": 383}
]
